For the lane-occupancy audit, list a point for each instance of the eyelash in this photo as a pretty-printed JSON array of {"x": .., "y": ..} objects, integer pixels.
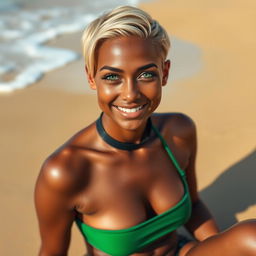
[
  {"x": 109, "y": 77},
  {"x": 152, "y": 75}
]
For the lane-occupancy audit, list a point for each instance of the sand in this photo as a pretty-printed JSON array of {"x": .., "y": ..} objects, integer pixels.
[{"x": 220, "y": 97}]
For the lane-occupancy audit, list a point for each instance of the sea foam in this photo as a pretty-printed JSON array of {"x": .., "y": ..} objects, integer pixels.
[{"x": 24, "y": 57}]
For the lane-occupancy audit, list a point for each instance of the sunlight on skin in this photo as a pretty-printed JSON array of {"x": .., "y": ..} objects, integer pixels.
[
  {"x": 55, "y": 173},
  {"x": 117, "y": 51}
]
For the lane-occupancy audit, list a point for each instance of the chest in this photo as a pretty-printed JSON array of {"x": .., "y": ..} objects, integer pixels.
[{"x": 146, "y": 181}]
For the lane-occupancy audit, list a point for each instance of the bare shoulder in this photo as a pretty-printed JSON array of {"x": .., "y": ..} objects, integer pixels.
[
  {"x": 68, "y": 166},
  {"x": 178, "y": 124},
  {"x": 65, "y": 171},
  {"x": 181, "y": 129}
]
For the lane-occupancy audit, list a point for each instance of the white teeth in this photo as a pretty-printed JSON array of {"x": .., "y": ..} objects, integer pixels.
[{"x": 130, "y": 110}]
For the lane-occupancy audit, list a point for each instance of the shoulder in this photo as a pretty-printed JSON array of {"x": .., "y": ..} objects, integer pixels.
[
  {"x": 67, "y": 168},
  {"x": 64, "y": 170},
  {"x": 178, "y": 124}
]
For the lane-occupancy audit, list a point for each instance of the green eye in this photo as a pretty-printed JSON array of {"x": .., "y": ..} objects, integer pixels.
[
  {"x": 147, "y": 75},
  {"x": 111, "y": 77}
]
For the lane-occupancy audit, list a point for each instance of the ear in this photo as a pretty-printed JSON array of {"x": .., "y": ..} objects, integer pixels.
[
  {"x": 90, "y": 79},
  {"x": 166, "y": 68}
]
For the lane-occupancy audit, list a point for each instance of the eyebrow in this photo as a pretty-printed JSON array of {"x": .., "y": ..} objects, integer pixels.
[
  {"x": 150, "y": 65},
  {"x": 112, "y": 69}
]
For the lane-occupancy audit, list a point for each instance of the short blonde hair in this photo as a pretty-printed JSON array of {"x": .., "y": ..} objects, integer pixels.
[{"x": 121, "y": 21}]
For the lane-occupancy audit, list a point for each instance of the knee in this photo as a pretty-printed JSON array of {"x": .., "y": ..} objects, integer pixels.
[{"x": 243, "y": 235}]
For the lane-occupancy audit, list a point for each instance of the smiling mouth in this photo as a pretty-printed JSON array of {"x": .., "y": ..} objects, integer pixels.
[{"x": 130, "y": 110}]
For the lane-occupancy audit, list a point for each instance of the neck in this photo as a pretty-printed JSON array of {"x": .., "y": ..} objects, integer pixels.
[
  {"x": 122, "y": 134},
  {"x": 123, "y": 138}
]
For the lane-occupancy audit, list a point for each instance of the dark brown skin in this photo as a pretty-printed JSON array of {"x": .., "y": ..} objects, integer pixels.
[{"x": 108, "y": 188}]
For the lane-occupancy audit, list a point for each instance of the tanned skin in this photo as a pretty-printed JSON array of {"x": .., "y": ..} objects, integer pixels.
[{"x": 109, "y": 188}]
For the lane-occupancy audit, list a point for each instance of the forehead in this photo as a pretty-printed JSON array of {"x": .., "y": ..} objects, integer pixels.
[{"x": 125, "y": 51}]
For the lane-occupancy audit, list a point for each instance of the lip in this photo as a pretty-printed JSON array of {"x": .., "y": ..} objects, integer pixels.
[{"x": 130, "y": 111}]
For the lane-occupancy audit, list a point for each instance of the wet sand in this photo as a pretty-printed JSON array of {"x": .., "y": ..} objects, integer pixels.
[{"x": 220, "y": 97}]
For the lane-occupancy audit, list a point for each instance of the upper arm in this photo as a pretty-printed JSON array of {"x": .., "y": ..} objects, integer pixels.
[
  {"x": 201, "y": 224},
  {"x": 186, "y": 131},
  {"x": 55, "y": 212},
  {"x": 191, "y": 167}
]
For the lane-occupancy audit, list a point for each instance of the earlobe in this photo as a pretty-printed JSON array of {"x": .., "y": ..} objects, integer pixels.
[
  {"x": 90, "y": 79},
  {"x": 166, "y": 69}
]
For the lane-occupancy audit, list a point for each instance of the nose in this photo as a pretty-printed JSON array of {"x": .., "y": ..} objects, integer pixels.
[{"x": 130, "y": 91}]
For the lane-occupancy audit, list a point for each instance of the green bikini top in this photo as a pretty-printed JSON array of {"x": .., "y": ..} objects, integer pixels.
[{"x": 127, "y": 241}]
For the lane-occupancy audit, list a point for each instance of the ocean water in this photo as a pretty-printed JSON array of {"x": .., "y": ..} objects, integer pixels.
[{"x": 27, "y": 25}]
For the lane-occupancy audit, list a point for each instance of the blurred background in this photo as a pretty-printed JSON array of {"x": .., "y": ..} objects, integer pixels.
[{"x": 45, "y": 99}]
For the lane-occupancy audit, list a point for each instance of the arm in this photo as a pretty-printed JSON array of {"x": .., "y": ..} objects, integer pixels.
[
  {"x": 201, "y": 224},
  {"x": 54, "y": 210}
]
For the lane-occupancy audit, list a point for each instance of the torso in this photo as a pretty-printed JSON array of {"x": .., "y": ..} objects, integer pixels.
[{"x": 120, "y": 189}]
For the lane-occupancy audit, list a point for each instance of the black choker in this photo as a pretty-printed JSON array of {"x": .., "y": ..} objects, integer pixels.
[{"x": 122, "y": 145}]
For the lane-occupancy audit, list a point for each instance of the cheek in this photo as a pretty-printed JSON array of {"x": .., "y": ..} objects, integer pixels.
[
  {"x": 153, "y": 92},
  {"x": 106, "y": 93}
]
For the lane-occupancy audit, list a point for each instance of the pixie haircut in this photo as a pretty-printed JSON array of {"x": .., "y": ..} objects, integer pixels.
[{"x": 121, "y": 21}]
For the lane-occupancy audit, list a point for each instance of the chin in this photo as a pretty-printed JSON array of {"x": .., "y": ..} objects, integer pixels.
[{"x": 133, "y": 124}]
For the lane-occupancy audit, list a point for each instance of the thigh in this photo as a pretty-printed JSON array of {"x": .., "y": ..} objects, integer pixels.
[
  {"x": 236, "y": 241},
  {"x": 184, "y": 249}
]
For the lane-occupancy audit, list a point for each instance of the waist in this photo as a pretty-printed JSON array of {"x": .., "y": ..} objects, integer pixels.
[{"x": 164, "y": 246}]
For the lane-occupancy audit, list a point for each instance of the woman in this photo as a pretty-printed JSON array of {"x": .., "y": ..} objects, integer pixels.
[{"x": 128, "y": 179}]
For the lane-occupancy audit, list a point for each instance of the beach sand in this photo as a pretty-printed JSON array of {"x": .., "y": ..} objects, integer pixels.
[{"x": 220, "y": 97}]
